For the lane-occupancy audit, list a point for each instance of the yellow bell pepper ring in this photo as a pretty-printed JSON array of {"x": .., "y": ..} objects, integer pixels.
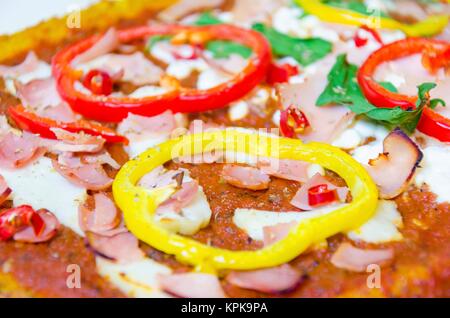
[
  {"x": 434, "y": 24},
  {"x": 139, "y": 204}
]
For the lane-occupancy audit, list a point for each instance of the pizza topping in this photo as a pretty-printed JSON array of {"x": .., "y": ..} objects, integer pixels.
[
  {"x": 19, "y": 149},
  {"x": 5, "y": 191},
  {"x": 355, "y": 259},
  {"x": 361, "y": 38},
  {"x": 294, "y": 170},
  {"x": 78, "y": 142},
  {"x": 180, "y": 199},
  {"x": 39, "y": 93},
  {"x": 280, "y": 73},
  {"x": 318, "y": 191},
  {"x": 393, "y": 170},
  {"x": 122, "y": 247},
  {"x": 281, "y": 279},
  {"x": 103, "y": 218},
  {"x": 25, "y": 224},
  {"x": 192, "y": 285},
  {"x": 277, "y": 232},
  {"x": 28, "y": 65},
  {"x": 79, "y": 131},
  {"x": 98, "y": 82},
  {"x": 91, "y": 176},
  {"x": 292, "y": 122},
  {"x": 103, "y": 45},
  {"x": 44, "y": 227},
  {"x": 186, "y": 100},
  {"x": 245, "y": 177}
]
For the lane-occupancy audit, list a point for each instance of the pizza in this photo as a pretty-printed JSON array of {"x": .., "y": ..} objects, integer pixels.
[{"x": 222, "y": 148}]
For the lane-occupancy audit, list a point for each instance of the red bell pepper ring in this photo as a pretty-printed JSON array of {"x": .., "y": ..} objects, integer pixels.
[
  {"x": 16, "y": 219},
  {"x": 183, "y": 100},
  {"x": 42, "y": 126},
  {"x": 280, "y": 73},
  {"x": 431, "y": 123}
]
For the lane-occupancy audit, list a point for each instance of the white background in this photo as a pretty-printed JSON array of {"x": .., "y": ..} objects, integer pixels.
[{"x": 16, "y": 15}]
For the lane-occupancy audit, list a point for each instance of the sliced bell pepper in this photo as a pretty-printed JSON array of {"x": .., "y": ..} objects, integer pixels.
[
  {"x": 139, "y": 204},
  {"x": 428, "y": 27},
  {"x": 431, "y": 123},
  {"x": 183, "y": 100},
  {"x": 42, "y": 126}
]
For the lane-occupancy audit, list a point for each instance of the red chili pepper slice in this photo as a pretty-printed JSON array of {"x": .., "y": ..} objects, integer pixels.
[
  {"x": 98, "y": 82},
  {"x": 280, "y": 73},
  {"x": 321, "y": 195},
  {"x": 361, "y": 41},
  {"x": 293, "y": 121},
  {"x": 431, "y": 123},
  {"x": 35, "y": 124},
  {"x": 16, "y": 219},
  {"x": 184, "y": 100}
]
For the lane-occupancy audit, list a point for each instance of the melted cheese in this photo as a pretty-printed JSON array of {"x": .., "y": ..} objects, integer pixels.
[
  {"x": 435, "y": 171},
  {"x": 137, "y": 279},
  {"x": 238, "y": 110},
  {"x": 40, "y": 186},
  {"x": 253, "y": 221},
  {"x": 382, "y": 227}
]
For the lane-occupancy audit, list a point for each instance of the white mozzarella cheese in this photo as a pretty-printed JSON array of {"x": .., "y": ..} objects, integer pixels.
[
  {"x": 349, "y": 139},
  {"x": 148, "y": 90},
  {"x": 382, "y": 227},
  {"x": 435, "y": 171},
  {"x": 40, "y": 186},
  {"x": 139, "y": 144},
  {"x": 210, "y": 78},
  {"x": 137, "y": 279},
  {"x": 253, "y": 221},
  {"x": 238, "y": 110},
  {"x": 182, "y": 69},
  {"x": 370, "y": 151}
]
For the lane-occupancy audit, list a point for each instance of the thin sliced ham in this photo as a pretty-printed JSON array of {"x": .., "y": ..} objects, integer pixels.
[
  {"x": 76, "y": 142},
  {"x": 279, "y": 279},
  {"x": 135, "y": 125},
  {"x": 327, "y": 122},
  {"x": 134, "y": 68},
  {"x": 61, "y": 112},
  {"x": 5, "y": 191},
  {"x": 192, "y": 285},
  {"x": 159, "y": 177},
  {"x": 101, "y": 158},
  {"x": 51, "y": 226},
  {"x": 123, "y": 247},
  {"x": 294, "y": 170},
  {"x": 29, "y": 64},
  {"x": 355, "y": 259},
  {"x": 301, "y": 201},
  {"x": 103, "y": 218},
  {"x": 19, "y": 149},
  {"x": 277, "y": 232},
  {"x": 394, "y": 169},
  {"x": 107, "y": 43},
  {"x": 89, "y": 176},
  {"x": 184, "y": 7},
  {"x": 245, "y": 177},
  {"x": 38, "y": 93},
  {"x": 180, "y": 199}
]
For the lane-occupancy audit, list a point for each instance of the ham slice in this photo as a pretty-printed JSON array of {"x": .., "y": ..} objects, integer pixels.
[
  {"x": 76, "y": 142},
  {"x": 123, "y": 247},
  {"x": 355, "y": 259},
  {"x": 327, "y": 122},
  {"x": 245, "y": 177},
  {"x": 61, "y": 112},
  {"x": 279, "y": 279},
  {"x": 38, "y": 93},
  {"x": 159, "y": 177},
  {"x": 192, "y": 285},
  {"x": 294, "y": 170},
  {"x": 394, "y": 169},
  {"x": 107, "y": 43},
  {"x": 103, "y": 218},
  {"x": 30, "y": 64},
  {"x": 184, "y": 7},
  {"x": 89, "y": 176},
  {"x": 277, "y": 232},
  {"x": 5, "y": 191},
  {"x": 135, "y": 125},
  {"x": 50, "y": 229},
  {"x": 134, "y": 68},
  {"x": 19, "y": 149},
  {"x": 180, "y": 199},
  {"x": 301, "y": 201},
  {"x": 246, "y": 12}
]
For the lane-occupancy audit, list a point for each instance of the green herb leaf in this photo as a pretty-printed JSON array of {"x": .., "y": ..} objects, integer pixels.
[
  {"x": 389, "y": 86},
  {"x": 305, "y": 51},
  {"x": 223, "y": 49},
  {"x": 207, "y": 18},
  {"x": 343, "y": 89},
  {"x": 424, "y": 96}
]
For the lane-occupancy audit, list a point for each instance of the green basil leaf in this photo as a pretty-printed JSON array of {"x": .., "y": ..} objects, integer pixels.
[
  {"x": 155, "y": 39},
  {"x": 389, "y": 86},
  {"x": 223, "y": 49},
  {"x": 305, "y": 51},
  {"x": 424, "y": 96},
  {"x": 207, "y": 18}
]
